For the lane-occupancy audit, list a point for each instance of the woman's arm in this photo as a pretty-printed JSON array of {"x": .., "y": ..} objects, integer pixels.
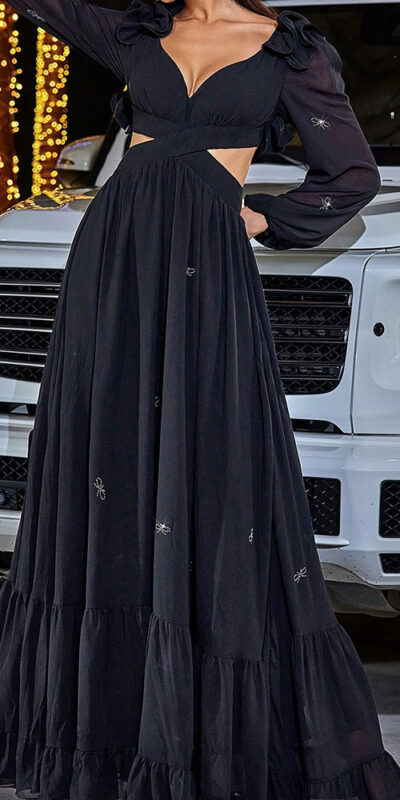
[
  {"x": 82, "y": 25},
  {"x": 342, "y": 176}
]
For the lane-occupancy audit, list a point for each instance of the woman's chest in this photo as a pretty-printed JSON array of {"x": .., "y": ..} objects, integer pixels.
[{"x": 243, "y": 93}]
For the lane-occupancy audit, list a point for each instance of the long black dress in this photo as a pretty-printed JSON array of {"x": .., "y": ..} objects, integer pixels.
[{"x": 166, "y": 634}]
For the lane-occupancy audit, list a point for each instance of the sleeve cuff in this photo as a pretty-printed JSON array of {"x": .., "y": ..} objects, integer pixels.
[{"x": 267, "y": 239}]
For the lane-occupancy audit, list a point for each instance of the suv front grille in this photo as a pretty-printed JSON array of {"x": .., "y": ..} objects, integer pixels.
[
  {"x": 13, "y": 472},
  {"x": 310, "y": 319},
  {"x": 389, "y": 512},
  {"x": 323, "y": 496},
  {"x": 28, "y": 302}
]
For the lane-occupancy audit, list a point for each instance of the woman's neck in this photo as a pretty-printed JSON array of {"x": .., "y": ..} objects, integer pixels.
[{"x": 209, "y": 10}]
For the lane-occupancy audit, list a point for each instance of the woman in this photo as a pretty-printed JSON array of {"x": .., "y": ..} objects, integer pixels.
[{"x": 166, "y": 630}]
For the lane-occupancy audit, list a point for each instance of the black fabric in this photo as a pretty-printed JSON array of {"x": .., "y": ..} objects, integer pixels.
[
  {"x": 342, "y": 176},
  {"x": 165, "y": 629}
]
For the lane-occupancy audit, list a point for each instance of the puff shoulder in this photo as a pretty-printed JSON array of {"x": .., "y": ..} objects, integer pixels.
[
  {"x": 295, "y": 39},
  {"x": 145, "y": 18}
]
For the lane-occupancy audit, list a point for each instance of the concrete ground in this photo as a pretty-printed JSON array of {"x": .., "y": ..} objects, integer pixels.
[{"x": 377, "y": 642}]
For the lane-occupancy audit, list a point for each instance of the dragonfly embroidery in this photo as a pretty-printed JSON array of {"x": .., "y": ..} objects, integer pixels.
[
  {"x": 35, "y": 14},
  {"x": 101, "y": 492},
  {"x": 320, "y": 122},
  {"x": 326, "y": 204},
  {"x": 300, "y": 574},
  {"x": 162, "y": 527}
]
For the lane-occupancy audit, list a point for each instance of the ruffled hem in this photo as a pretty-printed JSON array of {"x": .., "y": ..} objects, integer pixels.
[
  {"x": 152, "y": 780},
  {"x": 342, "y": 752},
  {"x": 36, "y": 770},
  {"x": 375, "y": 779},
  {"x": 203, "y": 725}
]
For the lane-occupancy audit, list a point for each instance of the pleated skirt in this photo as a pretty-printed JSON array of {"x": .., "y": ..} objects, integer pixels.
[{"x": 165, "y": 629}]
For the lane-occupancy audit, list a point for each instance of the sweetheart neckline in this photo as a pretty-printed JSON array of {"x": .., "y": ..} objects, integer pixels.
[{"x": 213, "y": 74}]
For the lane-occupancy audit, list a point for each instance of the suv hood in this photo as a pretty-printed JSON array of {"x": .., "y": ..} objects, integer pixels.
[
  {"x": 53, "y": 217},
  {"x": 48, "y": 218}
]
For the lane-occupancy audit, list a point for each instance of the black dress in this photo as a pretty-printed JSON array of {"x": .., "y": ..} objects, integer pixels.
[{"x": 166, "y": 633}]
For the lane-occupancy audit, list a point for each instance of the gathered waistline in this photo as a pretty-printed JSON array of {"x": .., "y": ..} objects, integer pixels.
[
  {"x": 205, "y": 165},
  {"x": 170, "y": 139}
]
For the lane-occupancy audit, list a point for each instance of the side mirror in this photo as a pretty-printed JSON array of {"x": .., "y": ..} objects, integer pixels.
[{"x": 76, "y": 161}]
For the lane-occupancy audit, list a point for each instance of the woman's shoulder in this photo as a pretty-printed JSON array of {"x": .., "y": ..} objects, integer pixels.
[{"x": 295, "y": 39}]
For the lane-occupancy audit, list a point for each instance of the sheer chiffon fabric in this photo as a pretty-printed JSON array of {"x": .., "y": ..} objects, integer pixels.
[{"x": 165, "y": 629}]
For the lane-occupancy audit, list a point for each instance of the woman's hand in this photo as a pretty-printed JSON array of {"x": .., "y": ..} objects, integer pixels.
[{"x": 255, "y": 222}]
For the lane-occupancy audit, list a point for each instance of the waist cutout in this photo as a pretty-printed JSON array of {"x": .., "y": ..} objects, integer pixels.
[{"x": 171, "y": 139}]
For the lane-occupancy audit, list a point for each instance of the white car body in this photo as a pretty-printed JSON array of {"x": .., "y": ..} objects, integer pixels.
[{"x": 348, "y": 437}]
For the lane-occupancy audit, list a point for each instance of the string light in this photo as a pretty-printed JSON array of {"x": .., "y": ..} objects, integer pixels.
[
  {"x": 50, "y": 121},
  {"x": 10, "y": 89}
]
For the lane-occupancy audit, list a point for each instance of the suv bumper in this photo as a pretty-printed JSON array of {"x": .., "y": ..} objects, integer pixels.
[{"x": 361, "y": 464}]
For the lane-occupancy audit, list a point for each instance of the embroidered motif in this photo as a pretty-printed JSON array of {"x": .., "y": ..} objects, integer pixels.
[
  {"x": 326, "y": 204},
  {"x": 101, "y": 492},
  {"x": 320, "y": 122},
  {"x": 35, "y": 14},
  {"x": 190, "y": 271},
  {"x": 157, "y": 400},
  {"x": 162, "y": 527},
  {"x": 251, "y": 535},
  {"x": 300, "y": 574}
]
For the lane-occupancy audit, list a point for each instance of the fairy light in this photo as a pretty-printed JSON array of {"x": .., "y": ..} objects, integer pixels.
[
  {"x": 50, "y": 121},
  {"x": 10, "y": 89}
]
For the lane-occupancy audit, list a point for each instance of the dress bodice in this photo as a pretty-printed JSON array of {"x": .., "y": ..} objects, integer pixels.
[{"x": 229, "y": 97}]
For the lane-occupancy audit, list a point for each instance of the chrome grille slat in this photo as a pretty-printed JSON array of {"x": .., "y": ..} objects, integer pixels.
[
  {"x": 26, "y": 323},
  {"x": 20, "y": 328},
  {"x": 25, "y": 294},
  {"x": 28, "y": 302},
  {"x": 310, "y": 302},
  {"x": 5, "y": 350},
  {"x": 6, "y": 361},
  {"x": 34, "y": 284},
  {"x": 310, "y": 319},
  {"x": 311, "y": 291}
]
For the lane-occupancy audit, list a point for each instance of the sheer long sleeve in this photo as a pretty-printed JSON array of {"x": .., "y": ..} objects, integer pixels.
[
  {"x": 342, "y": 174},
  {"x": 89, "y": 28}
]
